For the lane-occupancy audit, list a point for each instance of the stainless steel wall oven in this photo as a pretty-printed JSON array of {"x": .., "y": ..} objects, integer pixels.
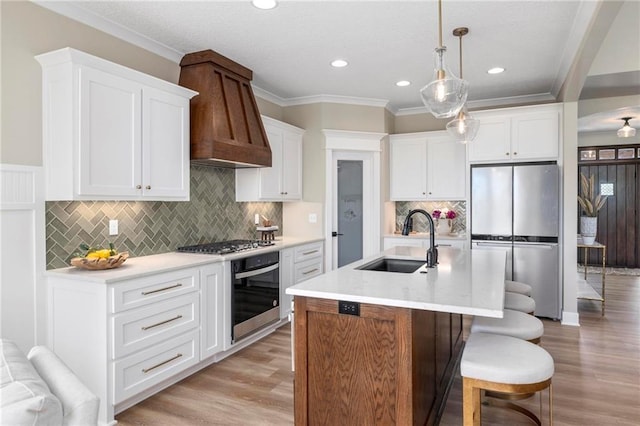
[{"x": 255, "y": 293}]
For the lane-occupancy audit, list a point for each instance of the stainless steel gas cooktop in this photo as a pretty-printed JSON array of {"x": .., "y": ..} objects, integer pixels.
[{"x": 224, "y": 247}]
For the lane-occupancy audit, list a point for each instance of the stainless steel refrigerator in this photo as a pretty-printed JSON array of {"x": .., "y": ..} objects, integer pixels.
[{"x": 516, "y": 207}]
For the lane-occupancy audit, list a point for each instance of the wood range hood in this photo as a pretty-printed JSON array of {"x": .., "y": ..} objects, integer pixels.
[{"x": 226, "y": 128}]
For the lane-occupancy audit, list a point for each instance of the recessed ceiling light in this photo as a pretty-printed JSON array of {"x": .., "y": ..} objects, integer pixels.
[
  {"x": 495, "y": 70},
  {"x": 339, "y": 63},
  {"x": 264, "y": 4},
  {"x": 403, "y": 83}
]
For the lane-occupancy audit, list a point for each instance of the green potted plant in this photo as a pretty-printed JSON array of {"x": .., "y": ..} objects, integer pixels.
[{"x": 590, "y": 205}]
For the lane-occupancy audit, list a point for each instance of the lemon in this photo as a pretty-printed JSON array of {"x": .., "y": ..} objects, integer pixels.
[
  {"x": 93, "y": 255},
  {"x": 104, "y": 253}
]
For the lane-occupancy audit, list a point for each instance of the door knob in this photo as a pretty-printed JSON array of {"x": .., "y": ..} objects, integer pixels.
[{"x": 335, "y": 234}]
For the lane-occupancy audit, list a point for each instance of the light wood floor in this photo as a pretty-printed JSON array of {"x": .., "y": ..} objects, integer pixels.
[{"x": 596, "y": 382}]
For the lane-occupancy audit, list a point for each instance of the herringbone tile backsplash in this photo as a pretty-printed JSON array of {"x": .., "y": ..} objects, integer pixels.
[
  {"x": 420, "y": 222},
  {"x": 156, "y": 227}
]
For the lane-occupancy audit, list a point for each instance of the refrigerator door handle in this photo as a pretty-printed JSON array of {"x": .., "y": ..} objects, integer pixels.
[
  {"x": 492, "y": 244},
  {"x": 536, "y": 245}
]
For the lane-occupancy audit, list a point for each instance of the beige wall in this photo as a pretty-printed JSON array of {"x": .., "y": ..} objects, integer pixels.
[
  {"x": 28, "y": 30},
  {"x": 269, "y": 109},
  {"x": 423, "y": 122}
]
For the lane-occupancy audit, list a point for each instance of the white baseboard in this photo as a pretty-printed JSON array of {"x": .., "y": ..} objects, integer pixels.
[{"x": 570, "y": 318}]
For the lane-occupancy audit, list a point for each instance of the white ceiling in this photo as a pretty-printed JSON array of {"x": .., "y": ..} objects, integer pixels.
[{"x": 290, "y": 47}]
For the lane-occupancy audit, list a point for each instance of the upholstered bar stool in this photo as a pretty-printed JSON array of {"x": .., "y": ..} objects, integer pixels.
[
  {"x": 517, "y": 287},
  {"x": 513, "y": 323},
  {"x": 503, "y": 364},
  {"x": 519, "y": 302}
]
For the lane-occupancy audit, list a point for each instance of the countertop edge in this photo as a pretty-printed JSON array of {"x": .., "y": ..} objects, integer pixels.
[
  {"x": 425, "y": 236},
  {"x": 166, "y": 262}
]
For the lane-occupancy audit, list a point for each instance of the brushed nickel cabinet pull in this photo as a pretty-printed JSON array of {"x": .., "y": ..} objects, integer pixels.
[
  {"x": 147, "y": 327},
  {"x": 148, "y": 187},
  {"x": 146, "y": 293},
  {"x": 138, "y": 186},
  {"x": 309, "y": 252},
  {"x": 310, "y": 272},
  {"x": 515, "y": 153},
  {"x": 506, "y": 153},
  {"x": 146, "y": 370}
]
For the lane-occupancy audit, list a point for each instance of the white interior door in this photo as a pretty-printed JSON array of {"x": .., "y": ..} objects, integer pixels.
[
  {"x": 348, "y": 207},
  {"x": 359, "y": 147},
  {"x": 352, "y": 205}
]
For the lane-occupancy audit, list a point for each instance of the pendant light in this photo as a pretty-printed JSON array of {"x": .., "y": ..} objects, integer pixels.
[
  {"x": 446, "y": 93},
  {"x": 464, "y": 127},
  {"x": 626, "y": 131}
]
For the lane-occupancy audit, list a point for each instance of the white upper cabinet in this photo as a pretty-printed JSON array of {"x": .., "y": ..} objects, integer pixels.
[
  {"x": 426, "y": 166},
  {"x": 408, "y": 166},
  {"x": 112, "y": 133},
  {"x": 446, "y": 166},
  {"x": 493, "y": 141},
  {"x": 517, "y": 134},
  {"x": 283, "y": 180}
]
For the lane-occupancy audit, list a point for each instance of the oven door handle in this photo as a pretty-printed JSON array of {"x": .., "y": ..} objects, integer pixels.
[{"x": 257, "y": 271}]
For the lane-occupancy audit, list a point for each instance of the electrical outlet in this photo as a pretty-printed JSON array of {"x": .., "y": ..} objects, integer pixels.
[
  {"x": 313, "y": 218},
  {"x": 256, "y": 219},
  {"x": 113, "y": 227},
  {"x": 349, "y": 308}
]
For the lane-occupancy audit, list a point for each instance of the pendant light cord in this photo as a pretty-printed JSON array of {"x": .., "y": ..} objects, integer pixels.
[
  {"x": 461, "y": 55},
  {"x": 440, "y": 22}
]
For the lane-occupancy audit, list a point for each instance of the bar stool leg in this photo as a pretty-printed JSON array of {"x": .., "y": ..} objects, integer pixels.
[
  {"x": 471, "y": 406},
  {"x": 551, "y": 404}
]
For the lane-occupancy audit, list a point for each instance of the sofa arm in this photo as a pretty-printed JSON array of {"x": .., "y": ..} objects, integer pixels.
[{"x": 79, "y": 405}]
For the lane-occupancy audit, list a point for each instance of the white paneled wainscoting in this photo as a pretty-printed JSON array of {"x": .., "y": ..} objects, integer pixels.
[{"x": 23, "y": 297}]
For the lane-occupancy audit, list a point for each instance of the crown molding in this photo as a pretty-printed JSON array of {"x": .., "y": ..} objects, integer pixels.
[
  {"x": 539, "y": 98},
  {"x": 72, "y": 11},
  {"x": 337, "y": 99}
]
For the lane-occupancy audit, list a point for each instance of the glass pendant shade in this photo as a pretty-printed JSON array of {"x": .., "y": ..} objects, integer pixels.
[
  {"x": 446, "y": 94},
  {"x": 464, "y": 127},
  {"x": 626, "y": 131}
]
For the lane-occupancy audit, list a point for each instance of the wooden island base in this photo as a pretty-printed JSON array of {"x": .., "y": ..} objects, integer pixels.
[{"x": 386, "y": 365}]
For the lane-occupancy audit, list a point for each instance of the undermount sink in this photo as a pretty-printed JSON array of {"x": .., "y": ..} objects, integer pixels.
[{"x": 393, "y": 265}]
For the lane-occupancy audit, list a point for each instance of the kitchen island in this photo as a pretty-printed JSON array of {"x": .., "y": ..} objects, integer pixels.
[{"x": 378, "y": 347}]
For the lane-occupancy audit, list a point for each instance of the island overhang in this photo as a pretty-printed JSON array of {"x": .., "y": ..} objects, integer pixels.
[{"x": 469, "y": 282}]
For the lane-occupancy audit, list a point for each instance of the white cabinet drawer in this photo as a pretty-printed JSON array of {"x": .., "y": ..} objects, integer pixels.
[
  {"x": 308, "y": 251},
  {"x": 142, "y": 291},
  {"x": 459, "y": 244},
  {"x": 308, "y": 269},
  {"x": 146, "y": 326},
  {"x": 144, "y": 369}
]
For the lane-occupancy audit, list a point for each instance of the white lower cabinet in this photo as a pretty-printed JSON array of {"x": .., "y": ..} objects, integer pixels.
[
  {"x": 212, "y": 314},
  {"x": 151, "y": 366},
  {"x": 423, "y": 242},
  {"x": 409, "y": 242},
  {"x": 127, "y": 338},
  {"x": 298, "y": 264},
  {"x": 123, "y": 338}
]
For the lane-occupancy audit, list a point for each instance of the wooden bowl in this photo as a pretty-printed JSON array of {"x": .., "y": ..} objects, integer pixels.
[{"x": 96, "y": 264}]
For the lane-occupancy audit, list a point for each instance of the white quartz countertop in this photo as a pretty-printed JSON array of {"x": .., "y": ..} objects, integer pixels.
[
  {"x": 467, "y": 282},
  {"x": 425, "y": 236},
  {"x": 136, "y": 267}
]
